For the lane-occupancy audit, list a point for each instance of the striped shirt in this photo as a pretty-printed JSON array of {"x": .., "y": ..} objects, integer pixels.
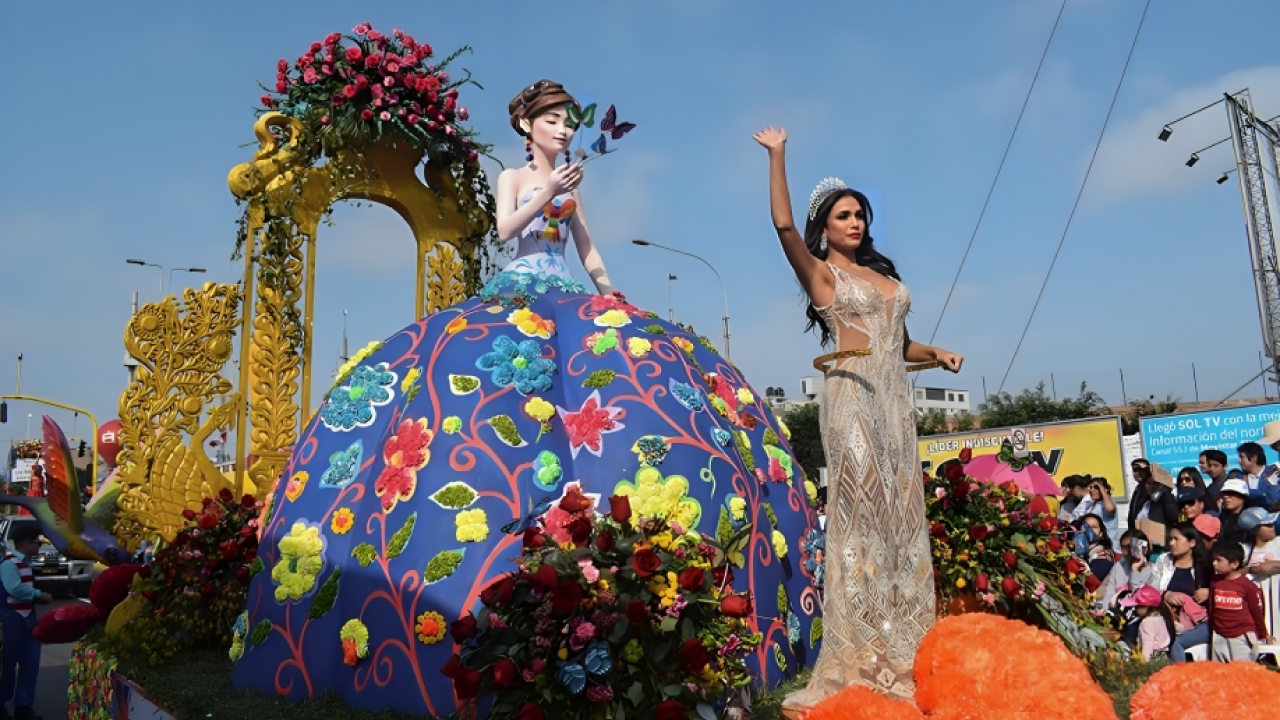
[{"x": 20, "y": 598}]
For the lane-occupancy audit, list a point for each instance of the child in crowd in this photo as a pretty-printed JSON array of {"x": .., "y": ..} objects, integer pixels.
[
  {"x": 1262, "y": 552},
  {"x": 1155, "y": 627},
  {"x": 1235, "y": 607}
]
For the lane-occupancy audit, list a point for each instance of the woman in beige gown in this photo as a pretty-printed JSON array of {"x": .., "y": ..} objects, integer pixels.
[{"x": 879, "y": 576}]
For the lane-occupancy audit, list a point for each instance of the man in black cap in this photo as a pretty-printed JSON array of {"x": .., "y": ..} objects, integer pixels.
[
  {"x": 1191, "y": 503},
  {"x": 18, "y": 598}
]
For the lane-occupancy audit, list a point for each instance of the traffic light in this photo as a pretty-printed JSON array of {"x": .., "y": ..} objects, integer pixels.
[
  {"x": 80, "y": 451},
  {"x": 4, "y": 412}
]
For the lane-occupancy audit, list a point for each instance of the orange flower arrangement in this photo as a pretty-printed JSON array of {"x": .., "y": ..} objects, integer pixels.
[
  {"x": 430, "y": 628},
  {"x": 1207, "y": 691},
  {"x": 969, "y": 666},
  {"x": 858, "y": 702}
]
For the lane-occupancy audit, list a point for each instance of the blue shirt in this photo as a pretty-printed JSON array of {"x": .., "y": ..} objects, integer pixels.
[{"x": 13, "y": 582}]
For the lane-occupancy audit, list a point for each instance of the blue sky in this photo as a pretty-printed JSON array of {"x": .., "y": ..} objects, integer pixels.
[{"x": 121, "y": 121}]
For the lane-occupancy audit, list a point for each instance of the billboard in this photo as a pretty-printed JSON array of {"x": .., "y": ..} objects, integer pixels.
[
  {"x": 1176, "y": 441},
  {"x": 1075, "y": 447},
  {"x": 22, "y": 469}
]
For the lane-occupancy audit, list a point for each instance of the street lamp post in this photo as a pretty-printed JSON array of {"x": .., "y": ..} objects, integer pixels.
[
  {"x": 135, "y": 261},
  {"x": 671, "y": 308},
  {"x": 186, "y": 270},
  {"x": 724, "y": 292}
]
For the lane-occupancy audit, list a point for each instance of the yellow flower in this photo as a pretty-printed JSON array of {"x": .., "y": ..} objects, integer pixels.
[
  {"x": 613, "y": 318},
  {"x": 779, "y": 544},
  {"x": 358, "y": 634},
  {"x": 786, "y": 431},
  {"x": 1004, "y": 522},
  {"x": 746, "y": 397},
  {"x": 410, "y": 378},
  {"x": 811, "y": 491},
  {"x": 431, "y": 627},
  {"x": 540, "y": 409},
  {"x": 563, "y": 654},
  {"x": 638, "y": 347},
  {"x": 683, "y": 343},
  {"x": 531, "y": 323},
  {"x": 960, "y": 583},
  {"x": 343, "y": 520},
  {"x": 456, "y": 325},
  {"x": 366, "y": 351},
  {"x": 473, "y": 526},
  {"x": 738, "y": 508},
  {"x": 654, "y": 496}
]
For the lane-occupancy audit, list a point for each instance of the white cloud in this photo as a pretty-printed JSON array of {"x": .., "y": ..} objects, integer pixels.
[{"x": 1133, "y": 162}]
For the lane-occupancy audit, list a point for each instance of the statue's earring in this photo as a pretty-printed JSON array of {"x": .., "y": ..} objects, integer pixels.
[
  {"x": 822, "y": 245},
  {"x": 528, "y": 149}
]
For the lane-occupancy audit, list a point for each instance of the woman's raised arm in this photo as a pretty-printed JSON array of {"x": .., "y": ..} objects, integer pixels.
[{"x": 808, "y": 268}]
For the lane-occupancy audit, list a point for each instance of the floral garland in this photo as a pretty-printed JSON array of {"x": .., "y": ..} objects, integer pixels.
[
  {"x": 91, "y": 692},
  {"x": 353, "y": 90},
  {"x": 27, "y": 449},
  {"x": 992, "y": 542},
  {"x": 606, "y": 618}
]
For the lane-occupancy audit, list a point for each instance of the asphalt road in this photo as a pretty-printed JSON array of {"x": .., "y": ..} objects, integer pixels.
[{"x": 51, "y": 686}]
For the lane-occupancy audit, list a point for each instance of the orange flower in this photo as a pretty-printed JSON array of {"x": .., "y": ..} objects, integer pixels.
[
  {"x": 858, "y": 702},
  {"x": 350, "y": 655},
  {"x": 1207, "y": 689},
  {"x": 430, "y": 628},
  {"x": 682, "y": 343},
  {"x": 967, "y": 664},
  {"x": 343, "y": 520},
  {"x": 456, "y": 325}
]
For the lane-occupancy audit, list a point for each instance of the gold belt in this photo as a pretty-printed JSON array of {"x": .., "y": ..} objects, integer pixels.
[
  {"x": 924, "y": 366},
  {"x": 820, "y": 362}
]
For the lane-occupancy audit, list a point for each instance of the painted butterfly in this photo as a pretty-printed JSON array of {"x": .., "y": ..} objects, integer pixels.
[
  {"x": 519, "y": 525},
  {"x": 611, "y": 125}
]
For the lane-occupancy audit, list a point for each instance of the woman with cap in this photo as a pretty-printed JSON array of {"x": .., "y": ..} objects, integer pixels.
[
  {"x": 1234, "y": 496},
  {"x": 1156, "y": 627},
  {"x": 1262, "y": 554},
  {"x": 1158, "y": 502},
  {"x": 1210, "y": 527}
]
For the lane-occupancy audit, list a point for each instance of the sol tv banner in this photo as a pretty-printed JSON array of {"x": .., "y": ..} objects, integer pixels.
[{"x": 1075, "y": 447}]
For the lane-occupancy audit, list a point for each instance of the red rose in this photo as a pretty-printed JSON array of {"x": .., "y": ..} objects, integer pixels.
[
  {"x": 693, "y": 579},
  {"x": 1054, "y": 544},
  {"x": 1011, "y": 587},
  {"x": 637, "y": 612},
  {"x": 735, "y": 606},
  {"x": 230, "y": 550},
  {"x": 281, "y": 86},
  {"x": 225, "y": 495},
  {"x": 533, "y": 538},
  {"x": 467, "y": 685},
  {"x": 366, "y": 114},
  {"x": 282, "y": 65},
  {"x": 566, "y": 597},
  {"x": 248, "y": 501},
  {"x": 938, "y": 530},
  {"x": 961, "y": 490},
  {"x": 1075, "y": 566},
  {"x": 694, "y": 655},
  {"x": 1092, "y": 583},
  {"x": 579, "y": 529},
  {"x": 722, "y": 575},
  {"x": 670, "y": 710},
  {"x": 242, "y": 574},
  {"x": 546, "y": 577},
  {"x": 574, "y": 501},
  {"x": 150, "y": 595},
  {"x": 504, "y": 673},
  {"x": 604, "y": 542},
  {"x": 315, "y": 47},
  {"x": 349, "y": 91},
  {"x": 982, "y": 582},
  {"x": 955, "y": 472},
  {"x": 646, "y": 563},
  {"x": 1009, "y": 558},
  {"x": 472, "y": 157},
  {"x": 453, "y": 668},
  {"x": 413, "y": 119},
  {"x": 362, "y": 82},
  {"x": 499, "y": 593},
  {"x": 966, "y": 455},
  {"x": 979, "y": 532},
  {"x": 189, "y": 514},
  {"x": 268, "y": 101},
  {"x": 208, "y": 521},
  {"x": 463, "y": 629},
  {"x": 1038, "y": 506},
  {"x": 354, "y": 54},
  {"x": 620, "y": 508},
  {"x": 531, "y": 711},
  {"x": 1048, "y": 524}
]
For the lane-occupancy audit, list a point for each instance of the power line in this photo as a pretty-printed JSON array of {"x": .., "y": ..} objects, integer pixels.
[
  {"x": 991, "y": 190},
  {"x": 1124, "y": 71}
]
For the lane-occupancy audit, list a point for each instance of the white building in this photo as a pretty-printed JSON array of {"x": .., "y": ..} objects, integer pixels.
[{"x": 949, "y": 400}]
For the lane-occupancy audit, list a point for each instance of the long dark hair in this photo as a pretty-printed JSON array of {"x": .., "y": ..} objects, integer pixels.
[
  {"x": 866, "y": 254},
  {"x": 1201, "y": 563}
]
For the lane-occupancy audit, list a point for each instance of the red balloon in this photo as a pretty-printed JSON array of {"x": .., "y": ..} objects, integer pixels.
[{"x": 109, "y": 441}]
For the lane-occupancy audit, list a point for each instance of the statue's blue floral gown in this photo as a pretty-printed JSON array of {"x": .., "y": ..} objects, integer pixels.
[{"x": 388, "y": 521}]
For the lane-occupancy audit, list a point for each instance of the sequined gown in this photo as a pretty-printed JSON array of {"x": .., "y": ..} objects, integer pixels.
[{"x": 879, "y": 577}]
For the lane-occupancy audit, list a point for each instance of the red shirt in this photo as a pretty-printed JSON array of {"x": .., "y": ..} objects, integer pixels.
[{"x": 1235, "y": 608}]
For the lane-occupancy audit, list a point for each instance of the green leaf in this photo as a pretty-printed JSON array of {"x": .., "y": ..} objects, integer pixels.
[
  {"x": 668, "y": 624},
  {"x": 655, "y": 330},
  {"x": 661, "y": 651},
  {"x": 672, "y": 690},
  {"x": 783, "y": 606},
  {"x": 599, "y": 379},
  {"x": 401, "y": 538},
  {"x": 636, "y": 693},
  {"x": 506, "y": 430},
  {"x": 365, "y": 554},
  {"x": 261, "y": 632},
  {"x": 706, "y": 712},
  {"x": 256, "y": 566},
  {"x": 325, "y": 596},
  {"x": 589, "y": 115},
  {"x": 815, "y": 632},
  {"x": 620, "y": 629},
  {"x": 686, "y": 630}
]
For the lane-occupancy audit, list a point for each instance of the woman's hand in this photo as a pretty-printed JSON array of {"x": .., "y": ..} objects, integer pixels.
[
  {"x": 773, "y": 140},
  {"x": 564, "y": 179},
  {"x": 1201, "y": 596},
  {"x": 950, "y": 361}
]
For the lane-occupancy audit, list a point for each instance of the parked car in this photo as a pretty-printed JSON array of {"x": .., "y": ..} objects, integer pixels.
[{"x": 54, "y": 573}]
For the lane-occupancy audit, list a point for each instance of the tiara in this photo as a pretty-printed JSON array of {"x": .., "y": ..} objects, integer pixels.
[{"x": 820, "y": 193}]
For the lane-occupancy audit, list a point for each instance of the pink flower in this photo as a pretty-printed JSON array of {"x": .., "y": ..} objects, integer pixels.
[
  {"x": 362, "y": 28},
  {"x": 267, "y": 101},
  {"x": 282, "y": 65},
  {"x": 315, "y": 47},
  {"x": 354, "y": 54},
  {"x": 444, "y": 76},
  {"x": 463, "y": 113},
  {"x": 413, "y": 119},
  {"x": 393, "y": 66},
  {"x": 349, "y": 91},
  {"x": 388, "y": 81},
  {"x": 362, "y": 82},
  {"x": 940, "y": 492},
  {"x": 989, "y": 598},
  {"x": 332, "y": 38},
  {"x": 599, "y": 693},
  {"x": 309, "y": 75},
  {"x": 677, "y": 528},
  {"x": 281, "y": 86},
  {"x": 326, "y": 69},
  {"x": 385, "y": 115},
  {"x": 324, "y": 120},
  {"x": 731, "y": 646},
  {"x": 366, "y": 114},
  {"x": 472, "y": 157},
  {"x": 589, "y": 571}
]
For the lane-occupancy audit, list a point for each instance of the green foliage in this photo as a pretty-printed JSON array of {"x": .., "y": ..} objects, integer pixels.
[
  {"x": 784, "y": 606},
  {"x": 325, "y": 596},
  {"x": 442, "y": 565},
  {"x": 655, "y": 330},
  {"x": 365, "y": 554},
  {"x": 1121, "y": 676},
  {"x": 455, "y": 496},
  {"x": 464, "y": 384},
  {"x": 744, "y": 449},
  {"x": 1036, "y": 406},
  {"x": 806, "y": 438},
  {"x": 1130, "y": 420},
  {"x": 401, "y": 537},
  {"x": 255, "y": 567},
  {"x": 932, "y": 422},
  {"x": 261, "y": 632},
  {"x": 599, "y": 379},
  {"x": 770, "y": 437},
  {"x": 769, "y": 513},
  {"x": 815, "y": 631},
  {"x": 705, "y": 342},
  {"x": 505, "y": 427},
  {"x": 724, "y": 528},
  {"x": 780, "y": 658}
]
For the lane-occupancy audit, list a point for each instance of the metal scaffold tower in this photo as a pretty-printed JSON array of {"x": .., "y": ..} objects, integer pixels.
[{"x": 1255, "y": 142}]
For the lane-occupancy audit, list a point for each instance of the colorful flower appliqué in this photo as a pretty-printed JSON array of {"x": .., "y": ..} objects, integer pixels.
[
  {"x": 655, "y": 496},
  {"x": 301, "y": 560},
  {"x": 588, "y": 424},
  {"x": 531, "y": 324},
  {"x": 297, "y": 483},
  {"x": 405, "y": 453},
  {"x": 343, "y": 520},
  {"x": 344, "y": 465},
  {"x": 353, "y": 405},
  {"x": 431, "y": 627},
  {"x": 687, "y": 394},
  {"x": 518, "y": 364},
  {"x": 547, "y": 471}
]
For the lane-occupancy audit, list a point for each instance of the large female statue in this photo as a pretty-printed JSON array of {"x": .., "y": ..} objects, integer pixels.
[
  {"x": 879, "y": 577},
  {"x": 393, "y": 514}
]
